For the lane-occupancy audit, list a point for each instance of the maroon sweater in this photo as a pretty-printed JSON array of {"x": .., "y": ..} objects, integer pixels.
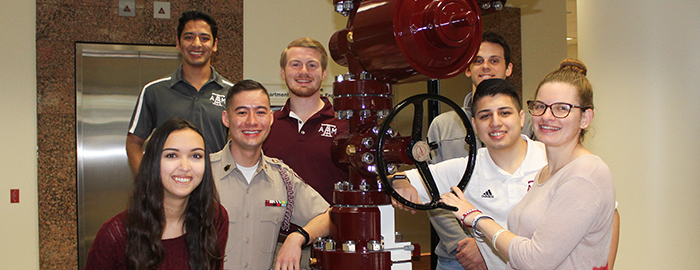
[{"x": 109, "y": 248}]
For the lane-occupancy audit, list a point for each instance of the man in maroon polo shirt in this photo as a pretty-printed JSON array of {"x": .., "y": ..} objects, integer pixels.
[{"x": 304, "y": 129}]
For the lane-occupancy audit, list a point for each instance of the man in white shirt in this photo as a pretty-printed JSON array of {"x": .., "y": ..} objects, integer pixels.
[{"x": 504, "y": 169}]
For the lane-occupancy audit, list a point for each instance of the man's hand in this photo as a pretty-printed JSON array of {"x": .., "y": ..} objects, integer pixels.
[
  {"x": 290, "y": 253},
  {"x": 469, "y": 256},
  {"x": 406, "y": 190},
  {"x": 134, "y": 151}
]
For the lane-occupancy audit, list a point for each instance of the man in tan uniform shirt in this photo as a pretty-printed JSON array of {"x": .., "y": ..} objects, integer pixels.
[{"x": 261, "y": 193}]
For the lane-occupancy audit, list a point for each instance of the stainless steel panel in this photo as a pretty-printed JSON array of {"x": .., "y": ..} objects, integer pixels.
[{"x": 108, "y": 81}]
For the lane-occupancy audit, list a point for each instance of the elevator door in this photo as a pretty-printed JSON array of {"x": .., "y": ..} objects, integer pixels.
[{"x": 109, "y": 79}]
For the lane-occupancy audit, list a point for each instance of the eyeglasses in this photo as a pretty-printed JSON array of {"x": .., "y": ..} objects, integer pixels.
[{"x": 559, "y": 109}]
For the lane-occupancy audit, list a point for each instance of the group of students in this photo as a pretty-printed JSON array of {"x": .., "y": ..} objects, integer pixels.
[
  {"x": 207, "y": 200},
  {"x": 555, "y": 198},
  {"x": 546, "y": 204}
]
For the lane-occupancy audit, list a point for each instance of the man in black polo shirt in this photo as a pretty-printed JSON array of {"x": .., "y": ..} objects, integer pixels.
[{"x": 194, "y": 92}]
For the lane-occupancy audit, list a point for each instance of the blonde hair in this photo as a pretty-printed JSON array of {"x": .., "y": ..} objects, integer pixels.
[
  {"x": 573, "y": 72},
  {"x": 306, "y": 42}
]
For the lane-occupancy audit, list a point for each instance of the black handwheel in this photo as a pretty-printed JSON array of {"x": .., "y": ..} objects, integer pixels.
[{"x": 419, "y": 151}]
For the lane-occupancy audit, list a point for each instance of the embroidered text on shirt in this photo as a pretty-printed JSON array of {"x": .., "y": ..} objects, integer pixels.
[
  {"x": 218, "y": 100},
  {"x": 328, "y": 130}
]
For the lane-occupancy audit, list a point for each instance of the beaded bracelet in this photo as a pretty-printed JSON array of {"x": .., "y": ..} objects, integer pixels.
[
  {"x": 495, "y": 237},
  {"x": 476, "y": 219},
  {"x": 466, "y": 214}
]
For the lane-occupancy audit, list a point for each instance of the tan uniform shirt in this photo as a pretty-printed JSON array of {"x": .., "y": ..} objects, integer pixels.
[{"x": 255, "y": 214}]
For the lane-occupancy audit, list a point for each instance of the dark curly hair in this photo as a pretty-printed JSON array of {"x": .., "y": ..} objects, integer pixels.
[{"x": 146, "y": 217}]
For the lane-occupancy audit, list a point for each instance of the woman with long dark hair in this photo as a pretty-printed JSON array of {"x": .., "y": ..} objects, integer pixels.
[{"x": 174, "y": 219}]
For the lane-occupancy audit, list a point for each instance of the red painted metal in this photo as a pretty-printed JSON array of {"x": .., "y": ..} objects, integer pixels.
[
  {"x": 386, "y": 42},
  {"x": 356, "y": 197},
  {"x": 359, "y": 224},
  {"x": 400, "y": 41},
  {"x": 336, "y": 260}
]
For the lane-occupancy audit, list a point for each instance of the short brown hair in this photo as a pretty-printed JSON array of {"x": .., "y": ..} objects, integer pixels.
[{"x": 306, "y": 42}]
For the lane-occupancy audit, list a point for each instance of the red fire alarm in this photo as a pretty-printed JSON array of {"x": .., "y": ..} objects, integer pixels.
[{"x": 14, "y": 195}]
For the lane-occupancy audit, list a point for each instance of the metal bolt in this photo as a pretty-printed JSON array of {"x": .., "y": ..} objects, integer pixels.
[
  {"x": 486, "y": 5},
  {"x": 339, "y": 7},
  {"x": 497, "y": 5},
  {"x": 368, "y": 158},
  {"x": 329, "y": 245},
  {"x": 348, "y": 114},
  {"x": 364, "y": 186},
  {"x": 391, "y": 168},
  {"x": 367, "y": 142},
  {"x": 350, "y": 149},
  {"x": 339, "y": 186},
  {"x": 366, "y": 76},
  {"x": 365, "y": 113},
  {"x": 381, "y": 114},
  {"x": 391, "y": 132},
  {"x": 349, "y": 246},
  {"x": 340, "y": 115},
  {"x": 319, "y": 242},
  {"x": 374, "y": 245},
  {"x": 344, "y": 7},
  {"x": 348, "y": 5},
  {"x": 398, "y": 237}
]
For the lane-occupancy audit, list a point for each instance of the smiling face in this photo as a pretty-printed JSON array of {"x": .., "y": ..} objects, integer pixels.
[
  {"x": 498, "y": 122},
  {"x": 303, "y": 72},
  {"x": 554, "y": 131},
  {"x": 489, "y": 63},
  {"x": 196, "y": 44},
  {"x": 182, "y": 164},
  {"x": 248, "y": 117}
]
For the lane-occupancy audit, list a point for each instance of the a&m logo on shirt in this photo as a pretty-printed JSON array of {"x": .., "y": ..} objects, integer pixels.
[
  {"x": 328, "y": 130},
  {"x": 218, "y": 100}
]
